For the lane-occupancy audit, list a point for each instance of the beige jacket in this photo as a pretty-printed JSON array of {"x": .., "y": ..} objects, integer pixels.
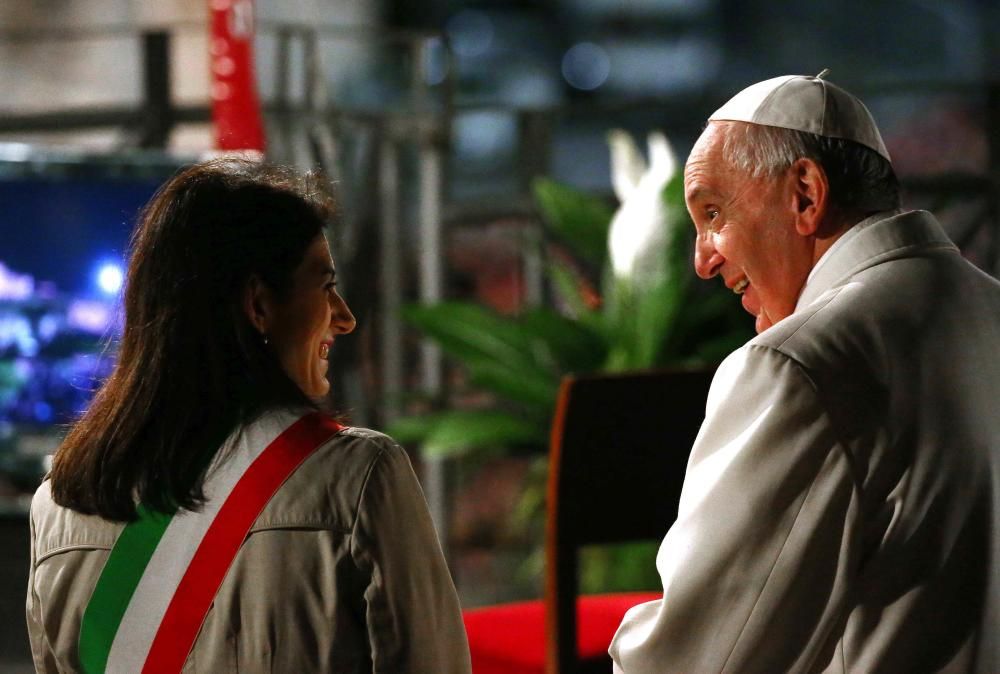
[
  {"x": 342, "y": 572},
  {"x": 841, "y": 507}
]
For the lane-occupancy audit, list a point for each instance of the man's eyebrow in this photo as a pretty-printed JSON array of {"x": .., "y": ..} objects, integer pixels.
[
  {"x": 327, "y": 270},
  {"x": 695, "y": 193},
  {"x": 700, "y": 192}
]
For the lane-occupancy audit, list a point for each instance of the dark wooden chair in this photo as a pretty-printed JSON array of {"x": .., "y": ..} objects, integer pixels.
[{"x": 618, "y": 453}]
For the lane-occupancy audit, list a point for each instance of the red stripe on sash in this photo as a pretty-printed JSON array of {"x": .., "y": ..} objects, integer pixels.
[{"x": 197, "y": 589}]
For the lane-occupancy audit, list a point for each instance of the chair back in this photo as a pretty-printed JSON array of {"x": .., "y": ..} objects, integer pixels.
[{"x": 618, "y": 453}]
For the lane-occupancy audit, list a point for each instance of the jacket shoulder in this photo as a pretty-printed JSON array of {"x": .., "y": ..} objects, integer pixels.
[
  {"x": 58, "y": 529},
  {"x": 325, "y": 491}
]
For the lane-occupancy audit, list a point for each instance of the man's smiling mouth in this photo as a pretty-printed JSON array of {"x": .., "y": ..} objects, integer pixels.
[{"x": 741, "y": 286}]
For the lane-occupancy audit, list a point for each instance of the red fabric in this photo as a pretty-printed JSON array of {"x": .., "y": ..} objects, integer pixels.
[
  {"x": 510, "y": 638},
  {"x": 235, "y": 108},
  {"x": 225, "y": 535}
]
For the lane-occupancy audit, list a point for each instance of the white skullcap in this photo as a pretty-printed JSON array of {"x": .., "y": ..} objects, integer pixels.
[{"x": 802, "y": 103}]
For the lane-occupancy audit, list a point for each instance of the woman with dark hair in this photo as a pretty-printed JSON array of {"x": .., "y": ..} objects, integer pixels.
[{"x": 205, "y": 513}]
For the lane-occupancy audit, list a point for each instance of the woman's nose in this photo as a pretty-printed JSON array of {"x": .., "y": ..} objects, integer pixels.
[
  {"x": 341, "y": 317},
  {"x": 707, "y": 260}
]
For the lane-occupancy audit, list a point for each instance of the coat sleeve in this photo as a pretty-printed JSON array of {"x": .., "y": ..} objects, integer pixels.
[
  {"x": 413, "y": 616},
  {"x": 755, "y": 570},
  {"x": 41, "y": 650}
]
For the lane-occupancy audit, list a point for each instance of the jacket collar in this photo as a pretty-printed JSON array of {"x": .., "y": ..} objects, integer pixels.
[{"x": 881, "y": 237}]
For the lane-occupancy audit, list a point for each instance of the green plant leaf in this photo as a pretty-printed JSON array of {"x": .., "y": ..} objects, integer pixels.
[
  {"x": 537, "y": 392},
  {"x": 619, "y": 568},
  {"x": 655, "y": 317},
  {"x": 567, "y": 283},
  {"x": 618, "y": 314},
  {"x": 578, "y": 219},
  {"x": 413, "y": 429},
  {"x": 529, "y": 512},
  {"x": 571, "y": 345},
  {"x": 679, "y": 263},
  {"x": 673, "y": 196},
  {"x": 520, "y": 358},
  {"x": 471, "y": 333},
  {"x": 460, "y": 432}
]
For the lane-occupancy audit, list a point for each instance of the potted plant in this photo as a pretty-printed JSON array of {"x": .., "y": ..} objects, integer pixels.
[{"x": 622, "y": 299}]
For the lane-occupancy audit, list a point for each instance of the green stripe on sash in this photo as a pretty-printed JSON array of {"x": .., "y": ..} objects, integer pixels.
[{"x": 114, "y": 589}]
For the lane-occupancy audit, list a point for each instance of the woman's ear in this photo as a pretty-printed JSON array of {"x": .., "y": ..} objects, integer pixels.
[
  {"x": 811, "y": 194},
  {"x": 255, "y": 303}
]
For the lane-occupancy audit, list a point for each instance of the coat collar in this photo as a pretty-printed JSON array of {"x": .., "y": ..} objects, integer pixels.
[{"x": 881, "y": 237}]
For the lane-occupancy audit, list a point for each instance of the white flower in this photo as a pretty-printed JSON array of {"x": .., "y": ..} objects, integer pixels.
[{"x": 639, "y": 228}]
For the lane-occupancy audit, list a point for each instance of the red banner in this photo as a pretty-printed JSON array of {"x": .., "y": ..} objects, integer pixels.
[{"x": 235, "y": 107}]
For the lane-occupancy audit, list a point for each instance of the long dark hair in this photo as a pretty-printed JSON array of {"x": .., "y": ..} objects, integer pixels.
[{"x": 191, "y": 368}]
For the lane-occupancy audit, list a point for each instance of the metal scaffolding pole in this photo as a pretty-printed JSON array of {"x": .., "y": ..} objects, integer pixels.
[
  {"x": 390, "y": 275},
  {"x": 431, "y": 291}
]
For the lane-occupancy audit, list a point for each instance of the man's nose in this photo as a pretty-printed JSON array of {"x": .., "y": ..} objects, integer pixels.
[{"x": 707, "y": 260}]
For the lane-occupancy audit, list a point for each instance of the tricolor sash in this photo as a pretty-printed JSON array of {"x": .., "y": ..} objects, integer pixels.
[{"x": 165, "y": 568}]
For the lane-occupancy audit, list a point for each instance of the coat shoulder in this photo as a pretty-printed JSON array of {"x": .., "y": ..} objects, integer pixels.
[
  {"x": 326, "y": 490},
  {"x": 56, "y": 528}
]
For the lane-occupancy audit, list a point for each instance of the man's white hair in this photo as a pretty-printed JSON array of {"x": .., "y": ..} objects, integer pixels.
[
  {"x": 762, "y": 151},
  {"x": 861, "y": 180}
]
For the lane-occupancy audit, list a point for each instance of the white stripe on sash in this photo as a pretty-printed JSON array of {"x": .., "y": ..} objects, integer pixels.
[{"x": 179, "y": 543}]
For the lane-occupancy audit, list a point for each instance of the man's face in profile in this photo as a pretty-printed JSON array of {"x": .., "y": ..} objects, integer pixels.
[{"x": 745, "y": 229}]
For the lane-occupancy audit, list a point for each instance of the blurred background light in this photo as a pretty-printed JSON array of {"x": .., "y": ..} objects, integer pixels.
[
  {"x": 586, "y": 66},
  {"x": 16, "y": 333},
  {"x": 642, "y": 8},
  {"x": 43, "y": 411},
  {"x": 663, "y": 66},
  {"x": 481, "y": 135},
  {"x": 14, "y": 286},
  {"x": 90, "y": 316},
  {"x": 109, "y": 278},
  {"x": 48, "y": 327},
  {"x": 470, "y": 32},
  {"x": 530, "y": 85},
  {"x": 435, "y": 64}
]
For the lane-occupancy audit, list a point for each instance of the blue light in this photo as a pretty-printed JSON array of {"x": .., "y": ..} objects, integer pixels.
[
  {"x": 470, "y": 32},
  {"x": 434, "y": 61},
  {"x": 110, "y": 278},
  {"x": 586, "y": 66},
  {"x": 43, "y": 411}
]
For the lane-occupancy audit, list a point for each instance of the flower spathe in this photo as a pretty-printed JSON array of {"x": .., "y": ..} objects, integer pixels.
[{"x": 639, "y": 229}]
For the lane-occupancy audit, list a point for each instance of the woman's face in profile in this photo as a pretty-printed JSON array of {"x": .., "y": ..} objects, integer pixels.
[{"x": 302, "y": 328}]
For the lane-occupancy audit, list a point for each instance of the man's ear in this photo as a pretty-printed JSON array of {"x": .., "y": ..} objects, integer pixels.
[
  {"x": 811, "y": 191},
  {"x": 256, "y": 303}
]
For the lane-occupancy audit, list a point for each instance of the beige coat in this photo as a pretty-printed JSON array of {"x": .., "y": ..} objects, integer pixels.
[
  {"x": 841, "y": 508},
  {"x": 341, "y": 572}
]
